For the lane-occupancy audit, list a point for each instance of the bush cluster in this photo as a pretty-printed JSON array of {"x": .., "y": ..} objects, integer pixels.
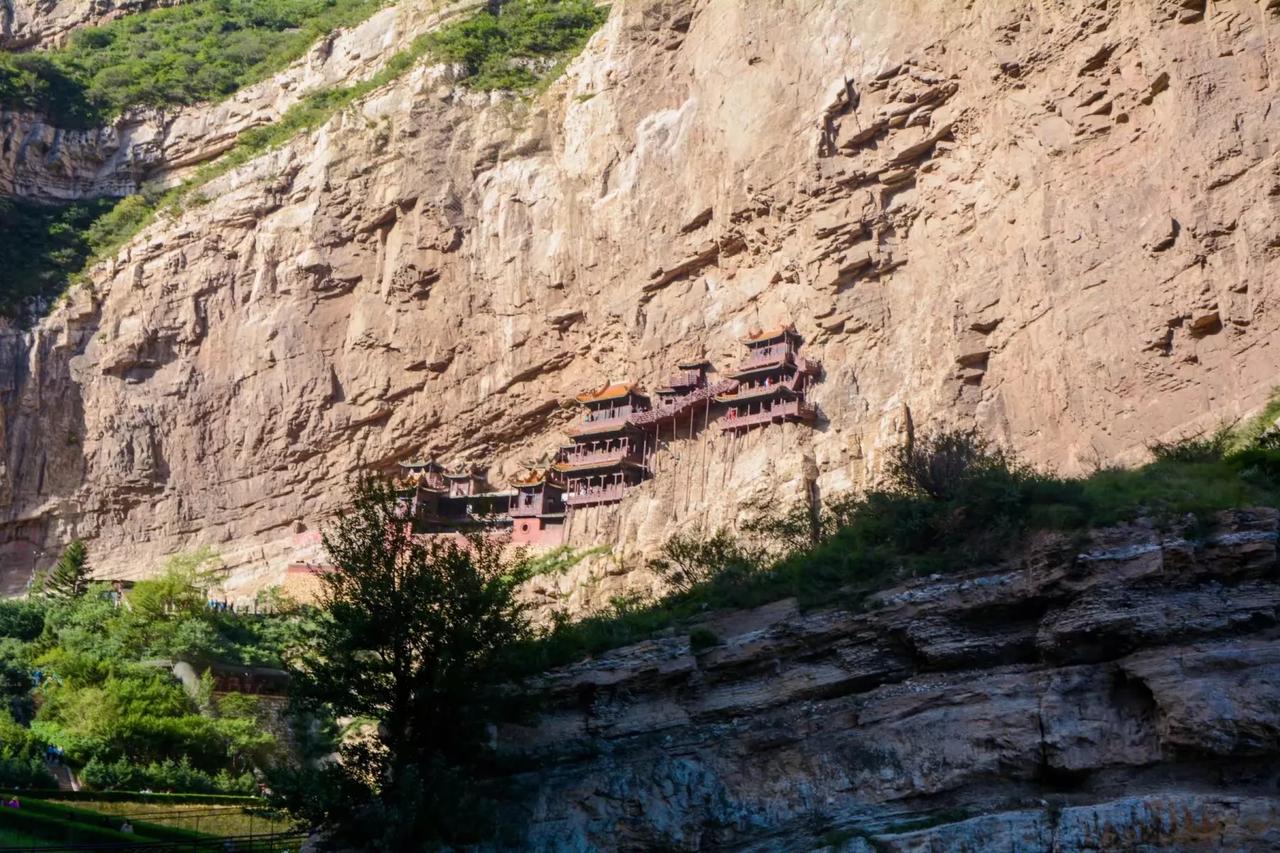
[
  {"x": 517, "y": 44},
  {"x": 166, "y": 775},
  {"x": 951, "y": 501},
  {"x": 80, "y": 672},
  {"x": 43, "y": 245},
  {"x": 198, "y": 51}
]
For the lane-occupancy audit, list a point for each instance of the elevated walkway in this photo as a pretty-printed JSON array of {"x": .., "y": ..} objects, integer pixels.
[{"x": 684, "y": 404}]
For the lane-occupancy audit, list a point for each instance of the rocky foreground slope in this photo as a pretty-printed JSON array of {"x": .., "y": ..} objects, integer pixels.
[
  {"x": 1124, "y": 697},
  {"x": 1054, "y": 221}
]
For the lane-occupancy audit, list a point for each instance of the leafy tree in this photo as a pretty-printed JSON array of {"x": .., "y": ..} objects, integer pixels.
[
  {"x": 511, "y": 45},
  {"x": 22, "y": 620},
  {"x": 413, "y": 639},
  {"x": 197, "y": 51},
  {"x": 687, "y": 561},
  {"x": 181, "y": 590},
  {"x": 70, "y": 577},
  {"x": 44, "y": 245}
]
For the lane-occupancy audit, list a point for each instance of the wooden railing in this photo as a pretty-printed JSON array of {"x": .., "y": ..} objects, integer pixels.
[
  {"x": 683, "y": 379},
  {"x": 530, "y": 510},
  {"x": 596, "y": 494},
  {"x": 608, "y": 419},
  {"x": 745, "y": 392},
  {"x": 683, "y": 403},
  {"x": 777, "y": 353},
  {"x": 779, "y": 411},
  {"x": 588, "y": 457}
]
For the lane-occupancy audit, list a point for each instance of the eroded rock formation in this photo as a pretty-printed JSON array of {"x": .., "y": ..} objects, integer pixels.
[
  {"x": 152, "y": 147},
  {"x": 1123, "y": 697},
  {"x": 42, "y": 23},
  {"x": 1055, "y": 221}
]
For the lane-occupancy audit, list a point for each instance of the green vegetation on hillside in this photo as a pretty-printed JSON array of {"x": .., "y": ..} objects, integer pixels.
[
  {"x": 953, "y": 503},
  {"x": 520, "y": 45},
  {"x": 57, "y": 823},
  {"x": 215, "y": 819},
  {"x": 525, "y": 44},
  {"x": 43, "y": 246},
  {"x": 198, "y": 51},
  {"x": 85, "y": 675}
]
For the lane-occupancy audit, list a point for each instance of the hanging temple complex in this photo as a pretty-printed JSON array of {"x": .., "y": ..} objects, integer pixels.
[{"x": 611, "y": 445}]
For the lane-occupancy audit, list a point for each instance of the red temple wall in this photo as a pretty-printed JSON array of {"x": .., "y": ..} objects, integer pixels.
[{"x": 534, "y": 531}]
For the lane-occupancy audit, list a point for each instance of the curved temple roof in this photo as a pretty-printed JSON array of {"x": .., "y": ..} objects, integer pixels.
[
  {"x": 529, "y": 478},
  {"x": 763, "y": 336},
  {"x": 614, "y": 391},
  {"x": 420, "y": 463}
]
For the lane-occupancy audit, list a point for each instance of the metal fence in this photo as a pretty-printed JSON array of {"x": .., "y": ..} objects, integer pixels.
[{"x": 284, "y": 842}]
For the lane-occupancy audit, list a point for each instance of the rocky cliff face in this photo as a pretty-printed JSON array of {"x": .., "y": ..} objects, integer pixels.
[
  {"x": 1057, "y": 222},
  {"x": 149, "y": 147},
  {"x": 1123, "y": 697},
  {"x": 41, "y": 23}
]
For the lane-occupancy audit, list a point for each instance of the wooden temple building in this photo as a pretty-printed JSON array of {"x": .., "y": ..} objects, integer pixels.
[
  {"x": 689, "y": 377},
  {"x": 537, "y": 508},
  {"x": 772, "y": 381},
  {"x": 611, "y": 445},
  {"x": 607, "y": 454},
  {"x": 440, "y": 501}
]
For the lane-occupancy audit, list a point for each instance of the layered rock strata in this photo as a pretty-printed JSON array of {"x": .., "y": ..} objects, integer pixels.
[{"x": 1121, "y": 697}]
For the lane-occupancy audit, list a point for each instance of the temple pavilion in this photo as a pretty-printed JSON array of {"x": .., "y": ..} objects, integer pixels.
[
  {"x": 607, "y": 455},
  {"x": 537, "y": 508},
  {"x": 436, "y": 500},
  {"x": 772, "y": 381},
  {"x": 689, "y": 377}
]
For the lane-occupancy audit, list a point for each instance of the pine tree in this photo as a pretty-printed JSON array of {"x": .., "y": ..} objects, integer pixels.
[
  {"x": 413, "y": 636},
  {"x": 70, "y": 577}
]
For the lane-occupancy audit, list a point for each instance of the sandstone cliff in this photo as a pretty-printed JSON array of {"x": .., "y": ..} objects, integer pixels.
[
  {"x": 151, "y": 147},
  {"x": 1121, "y": 698},
  {"x": 1055, "y": 221},
  {"x": 41, "y": 23}
]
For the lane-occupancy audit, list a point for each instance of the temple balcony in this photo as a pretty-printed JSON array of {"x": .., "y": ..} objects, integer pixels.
[
  {"x": 682, "y": 404},
  {"x": 595, "y": 425},
  {"x": 575, "y": 459},
  {"x": 760, "y": 392},
  {"x": 683, "y": 379},
  {"x": 589, "y": 495},
  {"x": 781, "y": 410},
  {"x": 770, "y": 356}
]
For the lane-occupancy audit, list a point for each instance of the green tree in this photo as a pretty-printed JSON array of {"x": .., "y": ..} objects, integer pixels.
[
  {"x": 413, "y": 637},
  {"x": 70, "y": 577},
  {"x": 181, "y": 590}
]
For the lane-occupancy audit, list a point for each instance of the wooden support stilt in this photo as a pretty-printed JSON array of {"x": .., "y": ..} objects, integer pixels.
[
  {"x": 688, "y": 488},
  {"x": 706, "y": 419}
]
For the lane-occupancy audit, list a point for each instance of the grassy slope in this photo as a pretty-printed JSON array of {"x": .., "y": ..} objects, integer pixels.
[
  {"x": 212, "y": 820},
  {"x": 56, "y": 822},
  {"x": 545, "y": 32},
  {"x": 199, "y": 51}
]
